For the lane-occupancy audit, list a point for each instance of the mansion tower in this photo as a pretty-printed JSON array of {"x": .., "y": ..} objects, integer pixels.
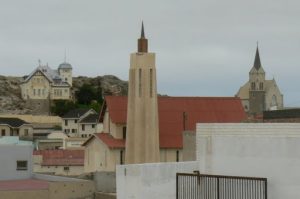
[{"x": 142, "y": 134}]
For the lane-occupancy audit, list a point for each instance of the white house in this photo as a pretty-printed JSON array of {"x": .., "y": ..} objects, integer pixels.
[
  {"x": 15, "y": 158},
  {"x": 15, "y": 127},
  {"x": 46, "y": 83},
  {"x": 81, "y": 123}
]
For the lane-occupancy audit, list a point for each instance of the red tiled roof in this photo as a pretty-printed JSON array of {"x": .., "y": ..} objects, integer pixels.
[
  {"x": 61, "y": 157},
  {"x": 110, "y": 141},
  {"x": 27, "y": 184},
  {"x": 172, "y": 109}
]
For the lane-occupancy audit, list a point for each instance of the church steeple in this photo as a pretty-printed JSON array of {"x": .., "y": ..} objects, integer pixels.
[
  {"x": 257, "y": 63},
  {"x": 142, "y": 42}
]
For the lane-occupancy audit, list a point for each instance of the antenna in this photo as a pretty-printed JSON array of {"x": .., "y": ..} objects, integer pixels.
[
  {"x": 65, "y": 55},
  {"x": 39, "y": 62}
]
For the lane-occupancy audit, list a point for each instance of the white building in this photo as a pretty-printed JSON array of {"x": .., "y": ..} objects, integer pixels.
[
  {"x": 81, "y": 123},
  {"x": 15, "y": 158},
  {"x": 15, "y": 127},
  {"x": 46, "y": 83},
  {"x": 270, "y": 150}
]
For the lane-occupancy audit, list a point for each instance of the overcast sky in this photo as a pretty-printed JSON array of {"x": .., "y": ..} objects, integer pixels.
[{"x": 203, "y": 47}]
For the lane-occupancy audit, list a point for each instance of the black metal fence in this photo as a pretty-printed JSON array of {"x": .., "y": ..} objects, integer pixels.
[{"x": 201, "y": 186}]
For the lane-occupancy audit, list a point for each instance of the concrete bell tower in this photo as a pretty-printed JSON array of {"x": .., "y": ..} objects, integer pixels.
[{"x": 142, "y": 134}]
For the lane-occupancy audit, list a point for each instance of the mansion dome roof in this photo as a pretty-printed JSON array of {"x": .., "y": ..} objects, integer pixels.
[{"x": 65, "y": 65}]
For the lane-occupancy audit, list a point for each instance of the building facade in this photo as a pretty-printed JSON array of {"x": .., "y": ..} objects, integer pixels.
[
  {"x": 81, "y": 123},
  {"x": 259, "y": 94},
  {"x": 16, "y": 127},
  {"x": 105, "y": 150},
  {"x": 45, "y": 83},
  {"x": 15, "y": 158},
  {"x": 58, "y": 162}
]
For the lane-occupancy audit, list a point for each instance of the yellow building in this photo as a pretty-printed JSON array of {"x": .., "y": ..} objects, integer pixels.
[{"x": 46, "y": 83}]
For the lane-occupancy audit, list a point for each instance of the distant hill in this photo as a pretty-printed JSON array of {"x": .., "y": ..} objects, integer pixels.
[{"x": 12, "y": 103}]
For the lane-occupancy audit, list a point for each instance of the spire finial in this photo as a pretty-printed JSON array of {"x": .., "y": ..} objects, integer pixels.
[
  {"x": 39, "y": 62},
  {"x": 142, "y": 42},
  {"x": 142, "y": 32},
  {"x": 257, "y": 63}
]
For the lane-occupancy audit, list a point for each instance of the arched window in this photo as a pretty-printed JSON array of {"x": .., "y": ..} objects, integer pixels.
[
  {"x": 261, "y": 86},
  {"x": 253, "y": 86},
  {"x": 274, "y": 100}
]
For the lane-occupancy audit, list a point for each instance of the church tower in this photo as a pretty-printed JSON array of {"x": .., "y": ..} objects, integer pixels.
[
  {"x": 257, "y": 86},
  {"x": 142, "y": 133}
]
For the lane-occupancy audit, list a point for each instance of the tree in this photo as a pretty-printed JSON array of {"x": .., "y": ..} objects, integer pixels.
[
  {"x": 60, "y": 107},
  {"x": 86, "y": 94}
]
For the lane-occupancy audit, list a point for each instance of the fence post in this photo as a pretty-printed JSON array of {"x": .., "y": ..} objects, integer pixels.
[
  {"x": 177, "y": 186},
  {"x": 266, "y": 189}
]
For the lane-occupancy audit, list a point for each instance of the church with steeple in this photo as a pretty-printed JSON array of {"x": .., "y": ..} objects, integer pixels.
[
  {"x": 142, "y": 143},
  {"x": 259, "y": 94}
]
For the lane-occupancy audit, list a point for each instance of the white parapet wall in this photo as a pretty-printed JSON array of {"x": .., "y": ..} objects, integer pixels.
[
  {"x": 148, "y": 181},
  {"x": 270, "y": 150}
]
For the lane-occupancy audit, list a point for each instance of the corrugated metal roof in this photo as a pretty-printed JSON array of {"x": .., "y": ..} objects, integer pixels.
[
  {"x": 14, "y": 140},
  {"x": 61, "y": 157},
  {"x": 27, "y": 184},
  {"x": 172, "y": 110}
]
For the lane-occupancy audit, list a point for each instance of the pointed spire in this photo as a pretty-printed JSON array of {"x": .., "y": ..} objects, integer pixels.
[
  {"x": 257, "y": 63},
  {"x": 142, "y": 42},
  {"x": 142, "y": 32}
]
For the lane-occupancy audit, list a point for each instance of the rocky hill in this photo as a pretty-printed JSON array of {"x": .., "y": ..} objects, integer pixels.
[{"x": 10, "y": 92}]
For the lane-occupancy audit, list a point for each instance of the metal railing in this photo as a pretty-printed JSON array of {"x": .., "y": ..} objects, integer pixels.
[{"x": 202, "y": 186}]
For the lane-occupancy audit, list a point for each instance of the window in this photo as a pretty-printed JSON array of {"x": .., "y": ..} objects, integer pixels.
[
  {"x": 66, "y": 79},
  {"x": 253, "y": 86},
  {"x": 177, "y": 156},
  {"x": 93, "y": 126},
  {"x": 3, "y": 132},
  {"x": 39, "y": 92},
  {"x": 274, "y": 100},
  {"x": 66, "y": 168},
  {"x": 124, "y": 132},
  {"x": 66, "y": 122},
  {"x": 21, "y": 164},
  {"x": 75, "y": 121},
  {"x": 74, "y": 131},
  {"x": 121, "y": 157},
  {"x": 26, "y": 132},
  {"x": 261, "y": 86},
  {"x": 83, "y": 127},
  {"x": 34, "y": 92},
  {"x": 151, "y": 87},
  {"x": 140, "y": 82}
]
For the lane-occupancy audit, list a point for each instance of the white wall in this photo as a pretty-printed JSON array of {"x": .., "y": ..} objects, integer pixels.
[
  {"x": 9, "y": 154},
  {"x": 148, "y": 181},
  {"x": 258, "y": 149}
]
